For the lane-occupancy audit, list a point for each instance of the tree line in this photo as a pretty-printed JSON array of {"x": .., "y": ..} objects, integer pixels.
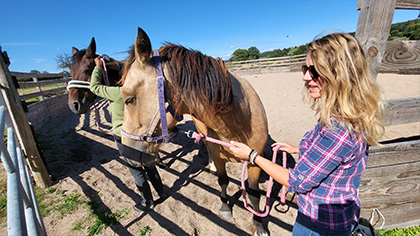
[{"x": 409, "y": 30}]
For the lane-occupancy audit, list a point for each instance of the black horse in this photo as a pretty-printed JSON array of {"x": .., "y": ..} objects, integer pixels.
[{"x": 82, "y": 64}]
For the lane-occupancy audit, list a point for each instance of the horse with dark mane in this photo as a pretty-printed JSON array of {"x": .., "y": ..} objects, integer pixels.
[
  {"x": 222, "y": 106},
  {"x": 82, "y": 64}
]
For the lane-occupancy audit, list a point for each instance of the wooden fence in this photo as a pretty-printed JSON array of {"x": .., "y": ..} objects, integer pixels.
[
  {"x": 21, "y": 124},
  {"x": 51, "y": 101},
  {"x": 268, "y": 65},
  {"x": 399, "y": 57}
]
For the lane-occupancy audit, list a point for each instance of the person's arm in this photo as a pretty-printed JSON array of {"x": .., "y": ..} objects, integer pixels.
[
  {"x": 279, "y": 173},
  {"x": 109, "y": 92}
]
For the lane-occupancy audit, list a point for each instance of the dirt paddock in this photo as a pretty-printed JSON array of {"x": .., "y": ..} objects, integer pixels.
[{"x": 84, "y": 160}]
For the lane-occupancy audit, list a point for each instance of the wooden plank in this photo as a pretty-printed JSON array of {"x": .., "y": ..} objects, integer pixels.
[
  {"x": 400, "y": 4},
  {"x": 402, "y": 111},
  {"x": 393, "y": 154},
  {"x": 401, "y": 57},
  {"x": 22, "y": 128},
  {"x": 408, "y": 4},
  {"x": 372, "y": 31},
  {"x": 42, "y": 83},
  {"x": 42, "y": 93},
  {"x": 33, "y": 75},
  {"x": 390, "y": 174}
]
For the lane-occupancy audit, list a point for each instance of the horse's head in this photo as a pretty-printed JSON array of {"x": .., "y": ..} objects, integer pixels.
[
  {"x": 80, "y": 97},
  {"x": 140, "y": 95}
]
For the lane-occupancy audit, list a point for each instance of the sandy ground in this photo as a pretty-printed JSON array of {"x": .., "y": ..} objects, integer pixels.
[{"x": 84, "y": 160}]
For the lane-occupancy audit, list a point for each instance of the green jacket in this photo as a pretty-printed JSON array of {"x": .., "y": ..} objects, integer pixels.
[{"x": 113, "y": 94}]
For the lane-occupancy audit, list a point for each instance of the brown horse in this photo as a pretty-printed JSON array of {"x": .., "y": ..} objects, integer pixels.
[
  {"x": 221, "y": 105},
  {"x": 80, "y": 97}
]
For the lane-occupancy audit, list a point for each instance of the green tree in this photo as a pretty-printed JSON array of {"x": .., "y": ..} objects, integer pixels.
[
  {"x": 300, "y": 50},
  {"x": 35, "y": 72},
  {"x": 240, "y": 55},
  {"x": 254, "y": 53}
]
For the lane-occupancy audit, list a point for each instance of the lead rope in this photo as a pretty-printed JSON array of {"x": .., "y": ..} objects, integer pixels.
[{"x": 197, "y": 137}]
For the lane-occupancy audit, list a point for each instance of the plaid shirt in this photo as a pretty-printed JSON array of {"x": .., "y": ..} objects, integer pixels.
[{"x": 327, "y": 175}]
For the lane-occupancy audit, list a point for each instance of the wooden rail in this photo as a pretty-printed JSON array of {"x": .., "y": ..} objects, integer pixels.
[
  {"x": 264, "y": 65},
  {"x": 63, "y": 78}
]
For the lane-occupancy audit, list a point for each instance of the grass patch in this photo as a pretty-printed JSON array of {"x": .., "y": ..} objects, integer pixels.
[
  {"x": 411, "y": 231},
  {"x": 145, "y": 230},
  {"x": 105, "y": 219}
]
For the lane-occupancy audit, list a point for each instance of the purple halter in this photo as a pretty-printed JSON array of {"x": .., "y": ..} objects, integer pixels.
[{"x": 166, "y": 137}]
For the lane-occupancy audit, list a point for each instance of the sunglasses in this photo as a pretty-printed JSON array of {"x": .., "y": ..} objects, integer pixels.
[{"x": 314, "y": 74}]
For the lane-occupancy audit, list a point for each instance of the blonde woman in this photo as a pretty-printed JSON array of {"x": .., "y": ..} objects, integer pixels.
[{"x": 332, "y": 156}]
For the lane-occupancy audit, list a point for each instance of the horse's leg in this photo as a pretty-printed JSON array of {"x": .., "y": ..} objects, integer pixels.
[
  {"x": 220, "y": 163},
  {"x": 255, "y": 196},
  {"x": 223, "y": 180},
  {"x": 213, "y": 168}
]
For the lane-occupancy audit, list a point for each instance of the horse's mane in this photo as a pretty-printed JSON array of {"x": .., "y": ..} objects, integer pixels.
[{"x": 199, "y": 81}]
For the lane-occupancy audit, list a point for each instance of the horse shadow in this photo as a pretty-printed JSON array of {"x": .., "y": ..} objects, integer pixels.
[
  {"x": 73, "y": 153},
  {"x": 200, "y": 163}
]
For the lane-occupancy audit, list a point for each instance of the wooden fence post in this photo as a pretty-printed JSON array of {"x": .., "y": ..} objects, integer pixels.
[
  {"x": 373, "y": 26},
  {"x": 21, "y": 125},
  {"x": 38, "y": 88}
]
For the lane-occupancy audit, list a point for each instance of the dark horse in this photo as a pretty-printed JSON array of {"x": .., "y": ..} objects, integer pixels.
[
  {"x": 82, "y": 64},
  {"x": 222, "y": 106}
]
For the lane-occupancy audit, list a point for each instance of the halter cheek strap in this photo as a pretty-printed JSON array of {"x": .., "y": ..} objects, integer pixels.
[{"x": 166, "y": 137}]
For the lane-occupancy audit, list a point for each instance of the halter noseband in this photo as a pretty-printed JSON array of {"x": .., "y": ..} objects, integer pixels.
[
  {"x": 78, "y": 84},
  {"x": 166, "y": 137}
]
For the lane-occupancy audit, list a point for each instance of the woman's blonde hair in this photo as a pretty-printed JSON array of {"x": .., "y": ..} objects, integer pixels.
[{"x": 348, "y": 93}]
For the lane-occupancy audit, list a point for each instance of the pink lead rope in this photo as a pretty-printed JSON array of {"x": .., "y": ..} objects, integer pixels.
[{"x": 197, "y": 137}]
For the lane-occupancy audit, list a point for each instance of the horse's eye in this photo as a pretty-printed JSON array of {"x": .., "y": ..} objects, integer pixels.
[{"x": 129, "y": 100}]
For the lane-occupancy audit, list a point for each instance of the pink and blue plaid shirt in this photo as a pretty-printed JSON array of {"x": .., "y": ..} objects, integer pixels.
[{"x": 327, "y": 175}]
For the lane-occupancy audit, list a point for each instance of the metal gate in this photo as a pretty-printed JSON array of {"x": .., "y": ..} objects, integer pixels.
[{"x": 23, "y": 215}]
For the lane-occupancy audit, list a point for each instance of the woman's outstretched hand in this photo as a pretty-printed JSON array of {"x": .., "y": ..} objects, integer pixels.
[
  {"x": 240, "y": 150},
  {"x": 285, "y": 147}
]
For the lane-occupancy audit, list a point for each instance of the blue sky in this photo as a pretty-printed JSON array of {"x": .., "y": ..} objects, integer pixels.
[{"x": 34, "y": 32}]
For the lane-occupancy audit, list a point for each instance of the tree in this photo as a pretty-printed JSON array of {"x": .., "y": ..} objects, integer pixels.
[
  {"x": 300, "y": 50},
  {"x": 254, "y": 53},
  {"x": 63, "y": 61},
  {"x": 35, "y": 72},
  {"x": 240, "y": 55}
]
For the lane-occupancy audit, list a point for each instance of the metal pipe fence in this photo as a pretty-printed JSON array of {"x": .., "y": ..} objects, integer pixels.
[{"x": 23, "y": 214}]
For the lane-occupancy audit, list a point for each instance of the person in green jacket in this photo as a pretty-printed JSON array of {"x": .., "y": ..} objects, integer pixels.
[{"x": 113, "y": 94}]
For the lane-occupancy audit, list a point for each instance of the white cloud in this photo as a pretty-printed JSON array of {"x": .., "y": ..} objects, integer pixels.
[{"x": 238, "y": 45}]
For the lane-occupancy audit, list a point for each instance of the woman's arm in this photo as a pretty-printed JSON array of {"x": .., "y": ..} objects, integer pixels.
[
  {"x": 109, "y": 92},
  {"x": 279, "y": 173}
]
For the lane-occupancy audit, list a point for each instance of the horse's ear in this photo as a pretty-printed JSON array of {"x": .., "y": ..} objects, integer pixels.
[
  {"x": 74, "y": 50},
  {"x": 143, "y": 47},
  {"x": 91, "y": 50}
]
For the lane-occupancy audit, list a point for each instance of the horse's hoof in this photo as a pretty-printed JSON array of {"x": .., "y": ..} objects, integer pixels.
[
  {"x": 226, "y": 214},
  {"x": 260, "y": 231},
  {"x": 225, "y": 211},
  {"x": 261, "y": 234}
]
